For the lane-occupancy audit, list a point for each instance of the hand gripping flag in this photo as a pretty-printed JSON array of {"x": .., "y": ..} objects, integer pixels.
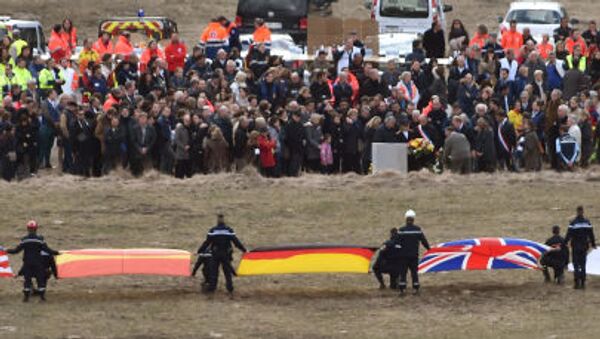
[
  {"x": 483, "y": 254},
  {"x": 306, "y": 259},
  {"x": 5, "y": 270}
]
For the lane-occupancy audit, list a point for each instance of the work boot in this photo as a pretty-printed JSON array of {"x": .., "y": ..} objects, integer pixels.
[
  {"x": 382, "y": 286},
  {"x": 577, "y": 286},
  {"x": 42, "y": 296},
  {"x": 402, "y": 293},
  {"x": 582, "y": 284},
  {"x": 26, "y": 296},
  {"x": 416, "y": 292}
]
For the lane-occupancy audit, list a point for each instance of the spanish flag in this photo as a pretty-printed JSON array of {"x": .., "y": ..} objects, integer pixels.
[
  {"x": 102, "y": 262},
  {"x": 306, "y": 259}
]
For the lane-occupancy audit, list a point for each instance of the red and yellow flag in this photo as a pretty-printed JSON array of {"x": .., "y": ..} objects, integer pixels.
[
  {"x": 101, "y": 262},
  {"x": 306, "y": 259}
]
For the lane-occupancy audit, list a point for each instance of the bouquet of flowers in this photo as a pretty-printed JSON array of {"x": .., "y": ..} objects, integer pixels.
[{"x": 420, "y": 147}]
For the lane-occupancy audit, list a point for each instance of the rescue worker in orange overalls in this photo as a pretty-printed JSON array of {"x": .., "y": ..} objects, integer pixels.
[
  {"x": 213, "y": 38},
  {"x": 262, "y": 33},
  {"x": 104, "y": 45}
]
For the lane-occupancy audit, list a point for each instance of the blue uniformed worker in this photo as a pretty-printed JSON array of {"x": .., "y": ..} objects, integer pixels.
[
  {"x": 387, "y": 261},
  {"x": 204, "y": 261},
  {"x": 409, "y": 237},
  {"x": 557, "y": 257},
  {"x": 581, "y": 236},
  {"x": 218, "y": 242},
  {"x": 34, "y": 265}
]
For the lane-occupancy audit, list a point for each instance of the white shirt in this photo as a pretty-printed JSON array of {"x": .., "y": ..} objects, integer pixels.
[
  {"x": 346, "y": 58},
  {"x": 512, "y": 67},
  {"x": 67, "y": 87}
]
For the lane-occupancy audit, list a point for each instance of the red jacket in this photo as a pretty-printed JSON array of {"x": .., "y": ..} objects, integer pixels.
[
  {"x": 267, "y": 147},
  {"x": 175, "y": 55}
]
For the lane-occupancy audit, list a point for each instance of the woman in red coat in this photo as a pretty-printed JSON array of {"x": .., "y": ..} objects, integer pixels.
[{"x": 266, "y": 145}]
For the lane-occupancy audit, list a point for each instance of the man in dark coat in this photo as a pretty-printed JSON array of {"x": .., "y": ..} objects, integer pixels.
[
  {"x": 351, "y": 135},
  {"x": 434, "y": 42},
  {"x": 143, "y": 137},
  {"x": 294, "y": 141},
  {"x": 219, "y": 242},
  {"x": 82, "y": 134},
  {"x": 387, "y": 132},
  {"x": 373, "y": 85},
  {"x": 506, "y": 140},
  {"x": 114, "y": 139}
]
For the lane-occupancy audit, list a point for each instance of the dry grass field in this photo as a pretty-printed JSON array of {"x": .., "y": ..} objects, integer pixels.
[{"x": 161, "y": 212}]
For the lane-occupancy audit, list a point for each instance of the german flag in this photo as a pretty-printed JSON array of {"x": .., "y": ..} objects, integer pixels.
[
  {"x": 306, "y": 259},
  {"x": 102, "y": 262}
]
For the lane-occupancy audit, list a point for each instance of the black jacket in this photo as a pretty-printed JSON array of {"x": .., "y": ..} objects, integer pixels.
[
  {"x": 409, "y": 237},
  {"x": 580, "y": 234},
  {"x": 240, "y": 142},
  {"x": 434, "y": 43},
  {"x": 384, "y": 134},
  {"x": 113, "y": 139},
  {"x": 342, "y": 92},
  {"x": 32, "y": 245},
  {"x": 555, "y": 258},
  {"x": 294, "y": 137},
  {"x": 218, "y": 241},
  {"x": 351, "y": 134}
]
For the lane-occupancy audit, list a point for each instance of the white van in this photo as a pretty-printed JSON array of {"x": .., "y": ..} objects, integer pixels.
[
  {"x": 31, "y": 31},
  {"x": 408, "y": 16}
]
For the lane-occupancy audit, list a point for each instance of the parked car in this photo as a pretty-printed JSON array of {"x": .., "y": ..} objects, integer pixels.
[
  {"x": 282, "y": 17},
  {"x": 408, "y": 16},
  {"x": 540, "y": 17}
]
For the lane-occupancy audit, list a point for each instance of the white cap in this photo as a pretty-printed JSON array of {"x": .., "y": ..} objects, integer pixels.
[{"x": 410, "y": 214}]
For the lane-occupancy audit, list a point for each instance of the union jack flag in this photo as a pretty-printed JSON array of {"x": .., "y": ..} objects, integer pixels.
[
  {"x": 5, "y": 270},
  {"x": 483, "y": 254}
]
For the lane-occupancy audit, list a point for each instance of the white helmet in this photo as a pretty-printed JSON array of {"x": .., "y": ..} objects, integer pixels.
[{"x": 410, "y": 214}]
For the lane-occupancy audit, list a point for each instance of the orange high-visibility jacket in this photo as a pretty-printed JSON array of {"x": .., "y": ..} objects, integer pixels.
[
  {"x": 102, "y": 49},
  {"x": 512, "y": 40},
  {"x": 58, "y": 47},
  {"x": 70, "y": 38},
  {"x": 149, "y": 54},
  {"x": 570, "y": 44},
  {"x": 479, "y": 40},
  {"x": 123, "y": 46},
  {"x": 214, "y": 35},
  {"x": 544, "y": 49},
  {"x": 262, "y": 35}
]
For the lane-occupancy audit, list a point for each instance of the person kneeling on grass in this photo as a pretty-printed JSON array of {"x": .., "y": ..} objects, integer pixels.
[{"x": 556, "y": 258}]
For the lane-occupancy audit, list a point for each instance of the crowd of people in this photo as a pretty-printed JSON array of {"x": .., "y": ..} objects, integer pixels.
[{"x": 512, "y": 104}]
